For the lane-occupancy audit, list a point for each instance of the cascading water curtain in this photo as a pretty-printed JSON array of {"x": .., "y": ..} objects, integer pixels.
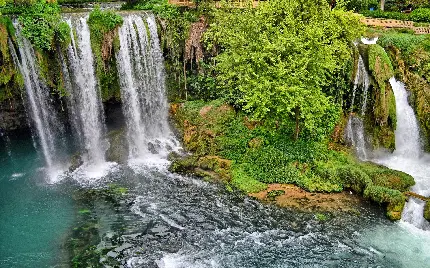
[{"x": 141, "y": 68}]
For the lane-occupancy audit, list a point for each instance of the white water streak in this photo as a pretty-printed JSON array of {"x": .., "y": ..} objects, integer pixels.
[
  {"x": 141, "y": 68},
  {"x": 48, "y": 128},
  {"x": 86, "y": 105}
]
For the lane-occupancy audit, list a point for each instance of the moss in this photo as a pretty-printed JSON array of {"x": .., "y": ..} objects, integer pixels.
[
  {"x": 380, "y": 66},
  {"x": 394, "y": 198},
  {"x": 104, "y": 42},
  {"x": 260, "y": 157},
  {"x": 51, "y": 71},
  {"x": 10, "y": 79},
  {"x": 421, "y": 101},
  {"x": 427, "y": 211},
  {"x": 274, "y": 193},
  {"x": 322, "y": 217}
]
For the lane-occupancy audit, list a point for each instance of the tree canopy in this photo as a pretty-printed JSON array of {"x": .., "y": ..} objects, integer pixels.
[{"x": 276, "y": 59}]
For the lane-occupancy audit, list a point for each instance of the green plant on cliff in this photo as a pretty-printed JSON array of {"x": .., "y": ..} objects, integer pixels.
[
  {"x": 104, "y": 41},
  {"x": 42, "y": 25},
  {"x": 10, "y": 79},
  {"x": 380, "y": 66},
  {"x": 276, "y": 58}
]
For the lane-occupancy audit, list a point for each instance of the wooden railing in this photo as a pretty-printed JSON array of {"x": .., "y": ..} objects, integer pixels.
[{"x": 387, "y": 23}]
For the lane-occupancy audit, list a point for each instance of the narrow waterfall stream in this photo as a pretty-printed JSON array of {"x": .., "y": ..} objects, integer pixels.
[
  {"x": 48, "y": 128},
  {"x": 86, "y": 104},
  {"x": 140, "y": 64},
  {"x": 355, "y": 126}
]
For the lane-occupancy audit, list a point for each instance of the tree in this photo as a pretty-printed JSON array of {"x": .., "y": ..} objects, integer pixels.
[
  {"x": 382, "y": 5},
  {"x": 276, "y": 58}
]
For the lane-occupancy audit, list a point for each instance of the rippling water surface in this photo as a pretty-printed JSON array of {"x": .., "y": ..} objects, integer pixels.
[{"x": 169, "y": 220}]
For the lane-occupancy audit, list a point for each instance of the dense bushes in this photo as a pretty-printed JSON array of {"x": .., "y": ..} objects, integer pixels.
[
  {"x": 261, "y": 155},
  {"x": 407, "y": 43},
  {"x": 417, "y": 15},
  {"x": 270, "y": 69},
  {"x": 41, "y": 24}
]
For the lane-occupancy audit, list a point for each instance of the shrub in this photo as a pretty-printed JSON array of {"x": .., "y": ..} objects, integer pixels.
[
  {"x": 407, "y": 43},
  {"x": 386, "y": 15},
  {"x": 420, "y": 15},
  {"x": 243, "y": 181}
]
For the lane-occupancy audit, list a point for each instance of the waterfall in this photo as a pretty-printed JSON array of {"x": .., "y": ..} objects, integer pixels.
[
  {"x": 408, "y": 142},
  {"x": 86, "y": 108},
  {"x": 355, "y": 126},
  {"x": 141, "y": 68},
  {"x": 409, "y": 157},
  {"x": 41, "y": 108}
]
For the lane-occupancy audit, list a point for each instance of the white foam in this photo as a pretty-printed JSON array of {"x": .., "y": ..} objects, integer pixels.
[
  {"x": 369, "y": 41},
  {"x": 90, "y": 174}
]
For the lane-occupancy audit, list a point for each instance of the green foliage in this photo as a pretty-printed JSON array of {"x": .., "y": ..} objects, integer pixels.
[
  {"x": 420, "y": 15},
  {"x": 417, "y": 15},
  {"x": 276, "y": 58},
  {"x": 244, "y": 182},
  {"x": 161, "y": 8},
  {"x": 321, "y": 217},
  {"x": 63, "y": 34},
  {"x": 386, "y": 15},
  {"x": 268, "y": 156},
  {"x": 41, "y": 24},
  {"x": 380, "y": 66},
  {"x": 104, "y": 31},
  {"x": 104, "y": 21},
  {"x": 407, "y": 43},
  {"x": 427, "y": 211}
]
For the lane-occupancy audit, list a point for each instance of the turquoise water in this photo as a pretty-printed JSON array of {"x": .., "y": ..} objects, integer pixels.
[
  {"x": 34, "y": 216},
  {"x": 168, "y": 221}
]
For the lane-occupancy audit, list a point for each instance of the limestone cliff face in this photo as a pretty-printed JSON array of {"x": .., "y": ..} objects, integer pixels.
[{"x": 12, "y": 116}]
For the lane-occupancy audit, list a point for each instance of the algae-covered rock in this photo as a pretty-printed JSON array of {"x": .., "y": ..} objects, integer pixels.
[
  {"x": 427, "y": 211},
  {"x": 118, "y": 149},
  {"x": 212, "y": 167}
]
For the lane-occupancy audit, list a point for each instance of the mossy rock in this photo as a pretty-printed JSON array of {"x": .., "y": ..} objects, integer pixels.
[
  {"x": 212, "y": 167},
  {"x": 427, "y": 211},
  {"x": 421, "y": 101},
  {"x": 118, "y": 149}
]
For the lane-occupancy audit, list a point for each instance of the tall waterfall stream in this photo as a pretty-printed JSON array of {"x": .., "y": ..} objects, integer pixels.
[{"x": 171, "y": 220}]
